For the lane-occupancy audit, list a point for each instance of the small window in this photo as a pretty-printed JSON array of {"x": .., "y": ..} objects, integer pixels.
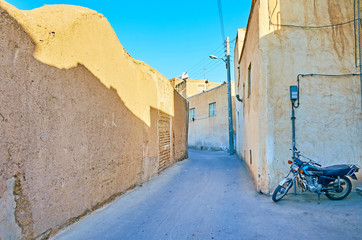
[
  {"x": 212, "y": 109},
  {"x": 249, "y": 80},
  {"x": 192, "y": 114}
]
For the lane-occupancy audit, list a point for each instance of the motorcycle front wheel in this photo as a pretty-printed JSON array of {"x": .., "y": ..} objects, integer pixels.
[
  {"x": 281, "y": 191},
  {"x": 339, "y": 191}
]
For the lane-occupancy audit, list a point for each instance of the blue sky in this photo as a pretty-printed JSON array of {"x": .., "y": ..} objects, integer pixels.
[{"x": 171, "y": 36}]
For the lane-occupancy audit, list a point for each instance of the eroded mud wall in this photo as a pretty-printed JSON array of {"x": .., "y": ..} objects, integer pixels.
[
  {"x": 180, "y": 128},
  {"x": 68, "y": 142}
]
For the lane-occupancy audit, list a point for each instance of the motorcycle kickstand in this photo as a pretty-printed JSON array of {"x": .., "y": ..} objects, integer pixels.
[{"x": 319, "y": 198}]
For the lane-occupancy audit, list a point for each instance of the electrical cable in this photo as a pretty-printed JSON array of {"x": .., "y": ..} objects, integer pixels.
[
  {"x": 209, "y": 64},
  {"x": 359, "y": 46},
  {"x": 205, "y": 58},
  {"x": 355, "y": 33},
  {"x": 203, "y": 65},
  {"x": 209, "y": 69},
  {"x": 197, "y": 69},
  {"x": 320, "y": 75},
  {"x": 307, "y": 27}
]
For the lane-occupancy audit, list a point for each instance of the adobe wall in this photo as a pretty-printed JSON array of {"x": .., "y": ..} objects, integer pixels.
[
  {"x": 69, "y": 141},
  {"x": 180, "y": 128}
]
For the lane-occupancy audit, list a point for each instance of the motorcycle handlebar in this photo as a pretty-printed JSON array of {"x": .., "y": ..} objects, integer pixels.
[{"x": 300, "y": 155}]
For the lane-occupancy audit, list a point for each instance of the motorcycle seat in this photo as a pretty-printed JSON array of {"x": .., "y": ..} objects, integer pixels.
[{"x": 336, "y": 170}]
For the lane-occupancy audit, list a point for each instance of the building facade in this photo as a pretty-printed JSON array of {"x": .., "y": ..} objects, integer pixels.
[
  {"x": 208, "y": 119},
  {"x": 188, "y": 87},
  {"x": 313, "y": 41}
]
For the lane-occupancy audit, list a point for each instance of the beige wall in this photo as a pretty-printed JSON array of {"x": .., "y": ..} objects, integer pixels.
[
  {"x": 70, "y": 142},
  {"x": 329, "y": 123},
  {"x": 239, "y": 105},
  {"x": 249, "y": 126},
  {"x": 189, "y": 87},
  {"x": 180, "y": 86},
  {"x": 210, "y": 132},
  {"x": 180, "y": 128},
  {"x": 195, "y": 86}
]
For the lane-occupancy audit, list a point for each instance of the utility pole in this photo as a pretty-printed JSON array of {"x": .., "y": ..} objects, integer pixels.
[{"x": 230, "y": 112}]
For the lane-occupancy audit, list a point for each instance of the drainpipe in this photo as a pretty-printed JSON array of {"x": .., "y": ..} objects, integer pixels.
[{"x": 359, "y": 47}]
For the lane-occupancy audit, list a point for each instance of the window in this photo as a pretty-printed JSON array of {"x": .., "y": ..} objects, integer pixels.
[
  {"x": 212, "y": 109},
  {"x": 251, "y": 157},
  {"x": 249, "y": 80},
  {"x": 192, "y": 114}
]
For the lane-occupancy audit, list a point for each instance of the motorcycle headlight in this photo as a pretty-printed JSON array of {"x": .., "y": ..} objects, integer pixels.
[{"x": 295, "y": 167}]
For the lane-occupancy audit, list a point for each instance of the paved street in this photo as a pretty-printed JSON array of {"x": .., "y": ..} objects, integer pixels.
[{"x": 212, "y": 196}]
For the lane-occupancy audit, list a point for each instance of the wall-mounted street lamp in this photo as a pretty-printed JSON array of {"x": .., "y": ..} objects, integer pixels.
[
  {"x": 227, "y": 62},
  {"x": 238, "y": 98}
]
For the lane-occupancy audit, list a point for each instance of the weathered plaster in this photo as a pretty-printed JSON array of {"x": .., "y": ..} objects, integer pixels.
[
  {"x": 239, "y": 105},
  {"x": 9, "y": 228},
  {"x": 329, "y": 123}
]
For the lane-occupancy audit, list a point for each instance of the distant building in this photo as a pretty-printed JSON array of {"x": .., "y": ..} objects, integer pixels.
[
  {"x": 208, "y": 119},
  {"x": 283, "y": 40},
  {"x": 188, "y": 87}
]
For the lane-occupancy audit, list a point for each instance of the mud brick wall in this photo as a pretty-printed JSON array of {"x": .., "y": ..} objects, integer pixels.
[{"x": 69, "y": 144}]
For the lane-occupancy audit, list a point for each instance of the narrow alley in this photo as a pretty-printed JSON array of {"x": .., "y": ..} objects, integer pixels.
[{"x": 212, "y": 196}]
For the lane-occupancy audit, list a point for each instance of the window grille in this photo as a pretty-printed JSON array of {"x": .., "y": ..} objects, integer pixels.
[
  {"x": 212, "y": 109},
  {"x": 192, "y": 114}
]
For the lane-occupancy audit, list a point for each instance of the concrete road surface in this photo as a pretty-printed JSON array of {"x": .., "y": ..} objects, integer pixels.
[{"x": 212, "y": 196}]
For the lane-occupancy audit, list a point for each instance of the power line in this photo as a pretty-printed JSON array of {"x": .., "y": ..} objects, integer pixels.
[
  {"x": 208, "y": 69},
  {"x": 221, "y": 20},
  {"x": 205, "y": 58},
  {"x": 198, "y": 69},
  {"x": 209, "y": 65},
  {"x": 212, "y": 69}
]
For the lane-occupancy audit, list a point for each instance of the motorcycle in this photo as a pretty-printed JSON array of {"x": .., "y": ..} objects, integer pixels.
[{"x": 309, "y": 175}]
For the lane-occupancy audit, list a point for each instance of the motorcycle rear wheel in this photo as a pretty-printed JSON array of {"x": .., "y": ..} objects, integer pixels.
[
  {"x": 339, "y": 193},
  {"x": 281, "y": 191}
]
